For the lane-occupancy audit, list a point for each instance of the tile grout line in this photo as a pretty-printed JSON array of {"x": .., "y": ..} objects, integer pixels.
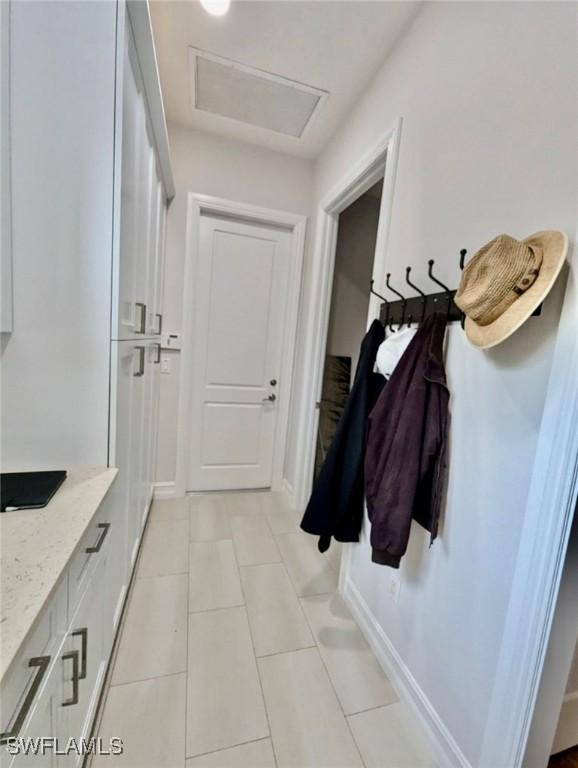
[
  {"x": 224, "y": 749},
  {"x": 333, "y": 688},
  {"x": 282, "y": 653},
  {"x": 107, "y": 684},
  {"x": 147, "y": 679},
  {"x": 311, "y": 594},
  {"x": 256, "y": 660},
  {"x": 216, "y": 608},
  {"x": 316, "y": 646},
  {"x": 293, "y": 585}
]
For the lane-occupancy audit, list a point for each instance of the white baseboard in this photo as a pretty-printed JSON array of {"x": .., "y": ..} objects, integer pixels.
[
  {"x": 165, "y": 489},
  {"x": 445, "y": 748},
  {"x": 290, "y": 491}
]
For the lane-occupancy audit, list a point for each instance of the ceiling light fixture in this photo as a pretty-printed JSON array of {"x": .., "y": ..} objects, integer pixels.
[{"x": 216, "y": 7}]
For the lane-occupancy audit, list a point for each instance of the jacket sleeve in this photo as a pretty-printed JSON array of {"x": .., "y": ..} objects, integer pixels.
[{"x": 396, "y": 475}]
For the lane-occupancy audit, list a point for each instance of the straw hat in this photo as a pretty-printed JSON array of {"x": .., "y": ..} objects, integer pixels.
[{"x": 505, "y": 281}]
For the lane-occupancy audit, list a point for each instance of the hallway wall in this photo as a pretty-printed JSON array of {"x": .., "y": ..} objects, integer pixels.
[
  {"x": 488, "y": 145},
  {"x": 353, "y": 267},
  {"x": 211, "y": 165}
]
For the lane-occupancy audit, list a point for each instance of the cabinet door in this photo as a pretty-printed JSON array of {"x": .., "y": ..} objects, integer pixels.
[
  {"x": 129, "y": 313},
  {"x": 152, "y": 398},
  {"x": 154, "y": 322},
  {"x": 147, "y": 162},
  {"x": 115, "y": 567},
  {"x": 49, "y": 720},
  {"x": 161, "y": 259},
  {"x": 125, "y": 362},
  {"x": 85, "y": 660},
  {"x": 137, "y": 436},
  {"x": 152, "y": 366}
]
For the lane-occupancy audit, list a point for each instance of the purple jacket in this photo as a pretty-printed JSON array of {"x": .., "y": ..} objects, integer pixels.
[{"x": 406, "y": 442}]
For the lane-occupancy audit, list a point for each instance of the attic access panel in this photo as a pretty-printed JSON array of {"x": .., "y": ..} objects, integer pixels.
[{"x": 224, "y": 87}]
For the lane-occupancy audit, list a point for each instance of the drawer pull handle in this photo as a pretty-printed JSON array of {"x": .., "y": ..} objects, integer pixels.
[
  {"x": 159, "y": 329},
  {"x": 105, "y": 527},
  {"x": 143, "y": 317},
  {"x": 141, "y": 362},
  {"x": 73, "y": 655},
  {"x": 83, "y": 634},
  {"x": 158, "y": 357},
  {"x": 42, "y": 663}
]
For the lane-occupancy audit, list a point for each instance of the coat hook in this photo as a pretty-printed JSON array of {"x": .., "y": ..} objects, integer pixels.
[
  {"x": 421, "y": 293},
  {"x": 379, "y": 296},
  {"x": 462, "y": 261},
  {"x": 375, "y": 293},
  {"x": 431, "y": 262},
  {"x": 397, "y": 293}
]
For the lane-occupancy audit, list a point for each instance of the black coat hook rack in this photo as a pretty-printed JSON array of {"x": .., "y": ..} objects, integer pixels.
[{"x": 406, "y": 310}]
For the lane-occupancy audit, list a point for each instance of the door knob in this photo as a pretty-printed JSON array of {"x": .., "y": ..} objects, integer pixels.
[
  {"x": 273, "y": 382},
  {"x": 270, "y": 399}
]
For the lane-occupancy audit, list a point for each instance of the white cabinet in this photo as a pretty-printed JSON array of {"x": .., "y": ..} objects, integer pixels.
[
  {"x": 139, "y": 259},
  {"x": 125, "y": 322},
  {"x": 93, "y": 252},
  {"x": 137, "y": 307},
  {"x": 85, "y": 657},
  {"x": 136, "y": 407},
  {"x": 52, "y": 689},
  {"x": 48, "y": 717}
]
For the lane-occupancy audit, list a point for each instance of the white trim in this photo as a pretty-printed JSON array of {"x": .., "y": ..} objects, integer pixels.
[
  {"x": 198, "y": 204},
  {"x": 165, "y": 489},
  {"x": 358, "y": 180},
  {"x": 140, "y": 21},
  {"x": 289, "y": 491},
  {"x": 544, "y": 539},
  {"x": 445, "y": 748}
]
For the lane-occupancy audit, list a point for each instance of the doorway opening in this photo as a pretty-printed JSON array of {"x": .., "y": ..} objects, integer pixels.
[
  {"x": 357, "y": 228},
  {"x": 377, "y": 167}
]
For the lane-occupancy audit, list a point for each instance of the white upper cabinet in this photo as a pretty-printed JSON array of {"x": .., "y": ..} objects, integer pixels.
[
  {"x": 139, "y": 257},
  {"x": 129, "y": 207},
  {"x": 88, "y": 150}
]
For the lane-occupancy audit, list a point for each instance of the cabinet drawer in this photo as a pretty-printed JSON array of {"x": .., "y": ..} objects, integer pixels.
[
  {"x": 88, "y": 553},
  {"x": 23, "y": 684}
]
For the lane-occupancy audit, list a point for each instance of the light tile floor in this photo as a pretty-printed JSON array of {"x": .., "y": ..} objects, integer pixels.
[{"x": 237, "y": 652}]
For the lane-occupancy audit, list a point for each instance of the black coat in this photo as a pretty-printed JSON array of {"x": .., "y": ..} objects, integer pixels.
[
  {"x": 336, "y": 504},
  {"x": 405, "y": 457}
]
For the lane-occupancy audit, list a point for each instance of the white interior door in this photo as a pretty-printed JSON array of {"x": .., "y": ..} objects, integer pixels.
[{"x": 240, "y": 299}]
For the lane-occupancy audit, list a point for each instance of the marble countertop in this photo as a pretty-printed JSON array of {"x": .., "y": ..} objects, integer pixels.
[{"x": 35, "y": 548}]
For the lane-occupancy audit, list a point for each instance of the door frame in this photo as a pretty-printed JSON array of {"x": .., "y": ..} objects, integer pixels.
[
  {"x": 197, "y": 206},
  {"x": 380, "y": 162}
]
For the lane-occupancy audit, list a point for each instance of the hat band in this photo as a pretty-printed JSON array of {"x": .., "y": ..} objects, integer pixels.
[{"x": 529, "y": 280}]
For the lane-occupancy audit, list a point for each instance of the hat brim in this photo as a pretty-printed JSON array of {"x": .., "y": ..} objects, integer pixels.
[{"x": 554, "y": 246}]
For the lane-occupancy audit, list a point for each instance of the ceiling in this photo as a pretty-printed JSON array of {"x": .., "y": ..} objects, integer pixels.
[{"x": 335, "y": 46}]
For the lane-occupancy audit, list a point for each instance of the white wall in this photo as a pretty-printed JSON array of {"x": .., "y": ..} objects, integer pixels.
[
  {"x": 216, "y": 166},
  {"x": 354, "y": 256},
  {"x": 55, "y": 364},
  {"x": 487, "y": 95}
]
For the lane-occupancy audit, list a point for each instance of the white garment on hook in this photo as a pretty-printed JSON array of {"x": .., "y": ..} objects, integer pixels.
[{"x": 391, "y": 350}]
